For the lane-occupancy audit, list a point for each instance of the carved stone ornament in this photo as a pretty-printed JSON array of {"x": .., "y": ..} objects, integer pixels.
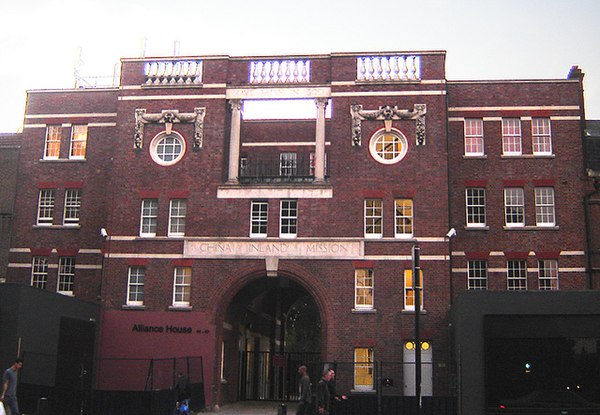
[
  {"x": 387, "y": 114},
  {"x": 169, "y": 117}
]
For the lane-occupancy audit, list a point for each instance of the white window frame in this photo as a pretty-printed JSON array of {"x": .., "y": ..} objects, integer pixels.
[
  {"x": 364, "y": 289},
  {"x": 514, "y": 205},
  {"x": 46, "y": 202},
  {"x": 157, "y": 148},
  {"x": 52, "y": 142},
  {"x": 66, "y": 275},
  {"x": 177, "y": 216},
  {"x": 373, "y": 218},
  {"x": 516, "y": 275},
  {"x": 541, "y": 136},
  {"x": 259, "y": 218},
  {"x": 39, "y": 272},
  {"x": 379, "y": 146},
  {"x": 409, "y": 292},
  {"x": 512, "y": 138},
  {"x": 477, "y": 274},
  {"x": 288, "y": 218},
  {"x": 475, "y": 207},
  {"x": 182, "y": 286},
  {"x": 288, "y": 164},
  {"x": 79, "y": 136},
  {"x": 548, "y": 274},
  {"x": 148, "y": 217},
  {"x": 404, "y": 218},
  {"x": 366, "y": 365},
  {"x": 545, "y": 206},
  {"x": 474, "y": 139},
  {"x": 72, "y": 207},
  {"x": 136, "y": 276}
]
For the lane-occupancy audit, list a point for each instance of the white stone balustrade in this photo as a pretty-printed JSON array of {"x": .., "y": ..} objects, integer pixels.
[
  {"x": 279, "y": 72},
  {"x": 173, "y": 72},
  {"x": 388, "y": 68}
]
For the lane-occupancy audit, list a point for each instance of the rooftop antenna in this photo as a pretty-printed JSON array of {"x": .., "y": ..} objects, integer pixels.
[
  {"x": 78, "y": 65},
  {"x": 144, "y": 43}
]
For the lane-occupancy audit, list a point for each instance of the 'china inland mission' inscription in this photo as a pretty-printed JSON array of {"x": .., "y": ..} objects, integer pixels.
[{"x": 281, "y": 249}]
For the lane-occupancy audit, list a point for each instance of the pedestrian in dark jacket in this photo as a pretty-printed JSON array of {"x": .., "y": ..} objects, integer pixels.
[{"x": 323, "y": 396}]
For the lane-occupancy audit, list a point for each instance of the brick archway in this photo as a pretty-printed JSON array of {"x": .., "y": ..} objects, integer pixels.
[{"x": 227, "y": 336}]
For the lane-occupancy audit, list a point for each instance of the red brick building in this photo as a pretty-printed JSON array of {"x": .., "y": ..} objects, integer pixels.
[{"x": 218, "y": 213}]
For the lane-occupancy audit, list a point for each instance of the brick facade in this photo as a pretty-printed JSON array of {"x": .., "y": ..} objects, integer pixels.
[{"x": 118, "y": 173}]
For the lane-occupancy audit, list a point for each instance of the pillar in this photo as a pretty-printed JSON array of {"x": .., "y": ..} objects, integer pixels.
[
  {"x": 234, "y": 141},
  {"x": 320, "y": 141}
]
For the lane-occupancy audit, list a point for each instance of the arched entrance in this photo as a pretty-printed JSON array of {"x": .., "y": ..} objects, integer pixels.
[{"x": 270, "y": 327}]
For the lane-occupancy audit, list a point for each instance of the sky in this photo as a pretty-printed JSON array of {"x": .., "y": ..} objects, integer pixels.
[{"x": 41, "y": 40}]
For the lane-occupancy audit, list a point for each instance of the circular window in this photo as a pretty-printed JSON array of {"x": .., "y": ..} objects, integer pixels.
[
  {"x": 388, "y": 147},
  {"x": 167, "y": 149}
]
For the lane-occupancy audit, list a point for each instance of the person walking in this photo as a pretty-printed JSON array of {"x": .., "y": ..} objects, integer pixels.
[
  {"x": 323, "y": 395},
  {"x": 305, "y": 393},
  {"x": 9, "y": 387}
]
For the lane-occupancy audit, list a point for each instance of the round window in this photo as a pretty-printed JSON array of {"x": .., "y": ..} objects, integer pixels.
[
  {"x": 388, "y": 147},
  {"x": 167, "y": 149}
]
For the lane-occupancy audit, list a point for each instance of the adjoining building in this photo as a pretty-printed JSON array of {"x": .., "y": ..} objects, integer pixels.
[
  {"x": 10, "y": 145},
  {"x": 210, "y": 204}
]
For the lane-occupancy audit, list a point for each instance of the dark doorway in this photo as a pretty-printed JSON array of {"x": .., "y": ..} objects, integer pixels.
[
  {"x": 275, "y": 326},
  {"x": 74, "y": 365}
]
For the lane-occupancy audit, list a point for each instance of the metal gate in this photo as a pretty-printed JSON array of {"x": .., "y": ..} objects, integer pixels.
[{"x": 273, "y": 376}]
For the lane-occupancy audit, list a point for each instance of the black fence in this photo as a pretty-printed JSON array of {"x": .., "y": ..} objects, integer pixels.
[
  {"x": 50, "y": 386},
  {"x": 375, "y": 388}
]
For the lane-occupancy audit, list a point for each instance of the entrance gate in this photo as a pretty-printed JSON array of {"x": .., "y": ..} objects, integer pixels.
[{"x": 274, "y": 376}]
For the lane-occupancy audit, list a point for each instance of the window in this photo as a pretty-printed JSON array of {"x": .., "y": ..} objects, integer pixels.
[
  {"x": 404, "y": 218},
  {"x": 46, "y": 207},
  {"x": 52, "y": 150},
  {"x": 177, "y": 212},
  {"x": 72, "y": 207},
  {"x": 66, "y": 275},
  {"x": 79, "y": 134},
  {"x": 363, "y": 368},
  {"x": 548, "y": 274},
  {"x": 363, "y": 289},
  {"x": 373, "y": 218},
  {"x": 388, "y": 147},
  {"x": 517, "y": 274},
  {"x": 514, "y": 206},
  {"x": 475, "y": 201},
  {"x": 167, "y": 149},
  {"x": 135, "y": 286},
  {"x": 258, "y": 219},
  {"x": 544, "y": 206},
  {"x": 149, "y": 217},
  {"x": 477, "y": 274},
  {"x": 288, "y": 164},
  {"x": 474, "y": 137},
  {"x": 288, "y": 219},
  {"x": 182, "y": 286},
  {"x": 541, "y": 136},
  {"x": 409, "y": 293},
  {"x": 39, "y": 272},
  {"x": 511, "y": 136}
]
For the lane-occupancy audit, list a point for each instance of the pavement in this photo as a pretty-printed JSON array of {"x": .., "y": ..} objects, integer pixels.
[{"x": 253, "y": 408}]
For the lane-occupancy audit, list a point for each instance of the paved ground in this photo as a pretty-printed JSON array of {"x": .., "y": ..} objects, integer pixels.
[{"x": 253, "y": 408}]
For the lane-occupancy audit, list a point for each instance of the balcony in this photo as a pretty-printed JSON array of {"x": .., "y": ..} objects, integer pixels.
[{"x": 286, "y": 169}]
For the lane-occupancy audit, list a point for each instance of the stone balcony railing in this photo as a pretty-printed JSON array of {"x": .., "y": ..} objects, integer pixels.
[
  {"x": 173, "y": 72},
  {"x": 388, "y": 68},
  {"x": 279, "y": 72}
]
